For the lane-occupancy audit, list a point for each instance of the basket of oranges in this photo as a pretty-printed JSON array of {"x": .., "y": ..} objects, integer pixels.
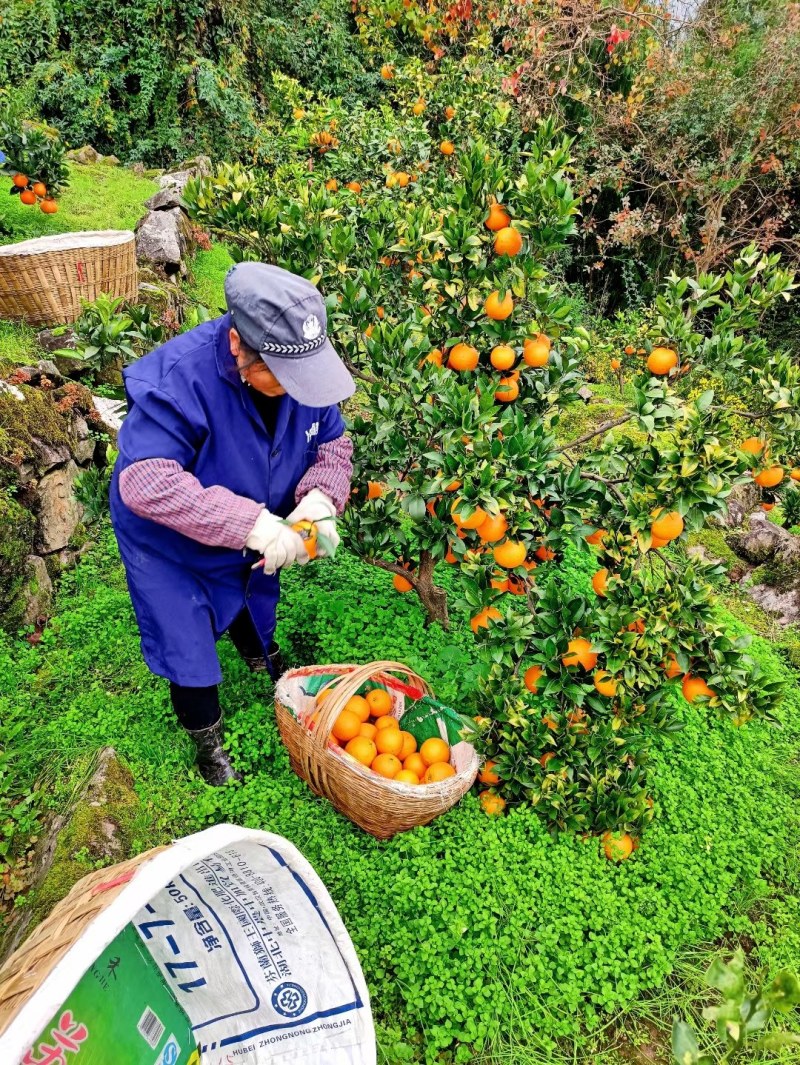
[{"x": 342, "y": 727}]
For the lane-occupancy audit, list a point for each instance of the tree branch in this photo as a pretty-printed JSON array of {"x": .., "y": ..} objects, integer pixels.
[{"x": 604, "y": 428}]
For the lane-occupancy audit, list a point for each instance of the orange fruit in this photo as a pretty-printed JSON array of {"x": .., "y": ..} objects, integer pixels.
[
  {"x": 359, "y": 706},
  {"x": 795, "y": 474},
  {"x": 453, "y": 486},
  {"x": 434, "y": 356},
  {"x": 21, "y": 181},
  {"x": 532, "y": 677},
  {"x": 596, "y": 538},
  {"x": 28, "y": 197},
  {"x": 462, "y": 357},
  {"x": 508, "y": 242},
  {"x": 605, "y": 683},
  {"x": 657, "y": 542},
  {"x": 402, "y": 178},
  {"x": 40, "y": 189},
  {"x": 661, "y": 360},
  {"x": 389, "y": 741},
  {"x": 500, "y": 584},
  {"x": 503, "y": 357},
  {"x": 694, "y": 687},
  {"x": 447, "y": 147},
  {"x": 418, "y": 107},
  {"x": 510, "y": 554},
  {"x": 767, "y": 478},
  {"x": 671, "y": 667},
  {"x": 483, "y": 617},
  {"x": 49, "y": 205},
  {"x": 405, "y": 776},
  {"x": 546, "y": 758},
  {"x": 600, "y": 583},
  {"x": 346, "y": 726},
  {"x": 615, "y": 364},
  {"x": 401, "y": 584},
  {"x": 414, "y": 764},
  {"x": 667, "y": 526},
  {"x": 507, "y": 390},
  {"x": 375, "y": 490},
  {"x": 332, "y": 184},
  {"x": 630, "y": 349},
  {"x": 487, "y": 774},
  {"x": 752, "y": 445},
  {"x": 363, "y": 750},
  {"x": 498, "y": 218},
  {"x": 579, "y": 652},
  {"x": 493, "y": 805},
  {"x": 617, "y": 846},
  {"x": 379, "y": 702},
  {"x": 434, "y": 750},
  {"x": 387, "y": 721},
  {"x": 498, "y": 309},
  {"x": 492, "y": 529},
  {"x": 449, "y": 113},
  {"x": 298, "y": 113},
  {"x": 386, "y": 765},
  {"x": 409, "y": 746},
  {"x": 767, "y": 507},
  {"x": 381, "y": 313},
  {"x": 536, "y": 353},
  {"x": 368, "y": 730},
  {"x": 546, "y": 554},
  {"x": 355, "y": 186},
  {"x": 387, "y": 71},
  {"x": 474, "y": 521},
  {"x": 437, "y": 772}
]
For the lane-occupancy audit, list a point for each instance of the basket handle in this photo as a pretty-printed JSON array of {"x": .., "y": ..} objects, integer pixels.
[{"x": 346, "y": 686}]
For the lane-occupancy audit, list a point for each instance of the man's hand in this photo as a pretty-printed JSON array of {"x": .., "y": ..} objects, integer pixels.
[
  {"x": 319, "y": 509},
  {"x": 280, "y": 545}
]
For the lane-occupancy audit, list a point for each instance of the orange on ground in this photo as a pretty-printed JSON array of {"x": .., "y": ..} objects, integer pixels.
[
  {"x": 508, "y": 242},
  {"x": 386, "y": 722},
  {"x": 492, "y": 529},
  {"x": 379, "y": 702},
  {"x": 752, "y": 445},
  {"x": 617, "y": 847},
  {"x": 768, "y": 478},
  {"x": 28, "y": 197},
  {"x": 498, "y": 309},
  {"x": 493, "y": 805},
  {"x": 498, "y": 218},
  {"x": 507, "y": 390},
  {"x": 363, "y": 750},
  {"x": 447, "y": 147},
  {"x": 532, "y": 677},
  {"x": 596, "y": 538},
  {"x": 510, "y": 554},
  {"x": 346, "y": 726},
  {"x": 369, "y": 730},
  {"x": 694, "y": 687},
  {"x": 487, "y": 774},
  {"x": 437, "y": 772},
  {"x": 579, "y": 652},
  {"x": 462, "y": 357},
  {"x": 389, "y": 741},
  {"x": 661, "y": 360},
  {"x": 409, "y": 746},
  {"x": 434, "y": 750},
  {"x": 474, "y": 521},
  {"x": 375, "y": 490},
  {"x": 605, "y": 683},
  {"x": 359, "y": 706},
  {"x": 401, "y": 584},
  {"x": 536, "y": 353},
  {"x": 405, "y": 776},
  {"x": 415, "y": 764},
  {"x": 503, "y": 357},
  {"x": 483, "y": 617},
  {"x": 667, "y": 526},
  {"x": 671, "y": 667},
  {"x": 600, "y": 583},
  {"x": 386, "y": 765}
]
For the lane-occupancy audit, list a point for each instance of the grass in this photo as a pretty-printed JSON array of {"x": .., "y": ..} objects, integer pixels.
[{"x": 208, "y": 277}]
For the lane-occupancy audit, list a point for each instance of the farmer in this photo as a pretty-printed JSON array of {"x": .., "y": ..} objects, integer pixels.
[{"x": 233, "y": 435}]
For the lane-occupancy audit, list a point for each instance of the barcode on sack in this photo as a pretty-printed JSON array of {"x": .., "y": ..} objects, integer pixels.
[{"x": 150, "y": 1028}]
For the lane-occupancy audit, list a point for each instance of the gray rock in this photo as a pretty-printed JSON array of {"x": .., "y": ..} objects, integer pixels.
[
  {"x": 784, "y": 603},
  {"x": 58, "y": 510},
  {"x": 38, "y": 591},
  {"x": 49, "y": 341},
  {"x": 84, "y": 155},
  {"x": 85, "y": 447},
  {"x": 137, "y": 169},
  {"x": 159, "y": 239},
  {"x": 112, "y": 411},
  {"x": 585, "y": 393},
  {"x": 48, "y": 455},
  {"x": 49, "y": 369},
  {"x": 199, "y": 165},
  {"x": 12, "y": 390},
  {"x": 764, "y": 541},
  {"x": 743, "y": 500},
  {"x": 109, "y": 160},
  {"x": 164, "y": 200}
]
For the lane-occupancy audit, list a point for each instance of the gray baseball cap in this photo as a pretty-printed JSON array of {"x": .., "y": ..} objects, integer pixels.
[{"x": 282, "y": 317}]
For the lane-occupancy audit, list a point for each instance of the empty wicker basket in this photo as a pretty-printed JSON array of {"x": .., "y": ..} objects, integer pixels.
[{"x": 44, "y": 281}]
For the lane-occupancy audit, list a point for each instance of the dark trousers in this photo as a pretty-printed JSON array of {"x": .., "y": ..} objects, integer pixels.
[{"x": 198, "y": 708}]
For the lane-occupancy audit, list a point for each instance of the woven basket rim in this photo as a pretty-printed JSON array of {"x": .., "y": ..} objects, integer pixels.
[{"x": 62, "y": 242}]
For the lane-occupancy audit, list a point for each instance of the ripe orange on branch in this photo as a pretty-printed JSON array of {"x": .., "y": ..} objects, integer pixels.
[
  {"x": 532, "y": 677},
  {"x": 510, "y": 554},
  {"x": 28, "y": 197},
  {"x": 667, "y": 527},
  {"x": 401, "y": 584},
  {"x": 487, "y": 774},
  {"x": 767, "y": 478},
  {"x": 48, "y": 205},
  {"x": 497, "y": 308},
  {"x": 752, "y": 445},
  {"x": 493, "y": 805},
  {"x": 498, "y": 218},
  {"x": 482, "y": 619},
  {"x": 536, "y": 352},
  {"x": 474, "y": 521},
  {"x": 447, "y": 147},
  {"x": 600, "y": 583},
  {"x": 463, "y": 357},
  {"x": 694, "y": 687},
  {"x": 503, "y": 357},
  {"x": 508, "y": 242},
  {"x": 580, "y": 653},
  {"x": 507, "y": 391},
  {"x": 40, "y": 189},
  {"x": 492, "y": 529},
  {"x": 661, "y": 360},
  {"x": 605, "y": 683}
]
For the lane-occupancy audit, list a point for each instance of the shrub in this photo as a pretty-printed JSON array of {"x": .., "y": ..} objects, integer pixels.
[{"x": 34, "y": 151}]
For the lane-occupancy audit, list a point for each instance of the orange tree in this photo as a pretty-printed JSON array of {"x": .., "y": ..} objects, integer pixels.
[{"x": 466, "y": 353}]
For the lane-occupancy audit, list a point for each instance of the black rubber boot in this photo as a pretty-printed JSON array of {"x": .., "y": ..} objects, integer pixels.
[
  {"x": 212, "y": 759},
  {"x": 272, "y": 663}
]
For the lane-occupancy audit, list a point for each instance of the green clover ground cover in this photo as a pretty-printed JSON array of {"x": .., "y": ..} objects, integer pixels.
[{"x": 473, "y": 932}]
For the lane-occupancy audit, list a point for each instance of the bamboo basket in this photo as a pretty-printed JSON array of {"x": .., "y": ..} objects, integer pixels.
[
  {"x": 44, "y": 281},
  {"x": 379, "y": 806}
]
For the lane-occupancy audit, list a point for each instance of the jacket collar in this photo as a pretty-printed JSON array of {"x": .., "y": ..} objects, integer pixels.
[{"x": 226, "y": 364}]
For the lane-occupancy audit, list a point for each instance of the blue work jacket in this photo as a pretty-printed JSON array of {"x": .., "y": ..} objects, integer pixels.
[{"x": 186, "y": 402}]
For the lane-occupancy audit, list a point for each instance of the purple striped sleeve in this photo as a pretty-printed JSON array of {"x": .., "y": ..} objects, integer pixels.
[
  {"x": 162, "y": 491},
  {"x": 331, "y": 473}
]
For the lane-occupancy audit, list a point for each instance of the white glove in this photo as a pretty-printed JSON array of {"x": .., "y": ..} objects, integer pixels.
[
  {"x": 277, "y": 542},
  {"x": 317, "y": 507}
]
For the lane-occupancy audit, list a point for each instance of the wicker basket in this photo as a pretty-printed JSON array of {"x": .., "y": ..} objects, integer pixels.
[
  {"x": 43, "y": 281},
  {"x": 379, "y": 806}
]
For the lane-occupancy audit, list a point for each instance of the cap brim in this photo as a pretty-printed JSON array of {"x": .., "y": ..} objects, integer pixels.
[{"x": 319, "y": 380}]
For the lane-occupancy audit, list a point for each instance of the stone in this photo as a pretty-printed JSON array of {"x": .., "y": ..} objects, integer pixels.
[
  {"x": 164, "y": 200},
  {"x": 49, "y": 455},
  {"x": 84, "y": 155},
  {"x": 111, "y": 411},
  {"x": 199, "y": 165},
  {"x": 763, "y": 541},
  {"x": 585, "y": 393},
  {"x": 743, "y": 500},
  {"x": 177, "y": 180},
  {"x": 137, "y": 169},
  {"x": 159, "y": 239},
  {"x": 775, "y": 587},
  {"x": 51, "y": 340},
  {"x": 49, "y": 369},
  {"x": 58, "y": 511},
  {"x": 109, "y": 160},
  {"x": 783, "y": 603},
  {"x": 38, "y": 591},
  {"x": 85, "y": 447},
  {"x": 12, "y": 390}
]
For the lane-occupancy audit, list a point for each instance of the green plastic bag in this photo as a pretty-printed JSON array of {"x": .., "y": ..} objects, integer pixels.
[{"x": 423, "y": 717}]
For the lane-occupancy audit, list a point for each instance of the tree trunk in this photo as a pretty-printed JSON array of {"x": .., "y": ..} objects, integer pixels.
[{"x": 434, "y": 599}]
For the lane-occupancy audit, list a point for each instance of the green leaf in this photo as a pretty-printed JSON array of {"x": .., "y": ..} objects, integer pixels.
[{"x": 684, "y": 1044}]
